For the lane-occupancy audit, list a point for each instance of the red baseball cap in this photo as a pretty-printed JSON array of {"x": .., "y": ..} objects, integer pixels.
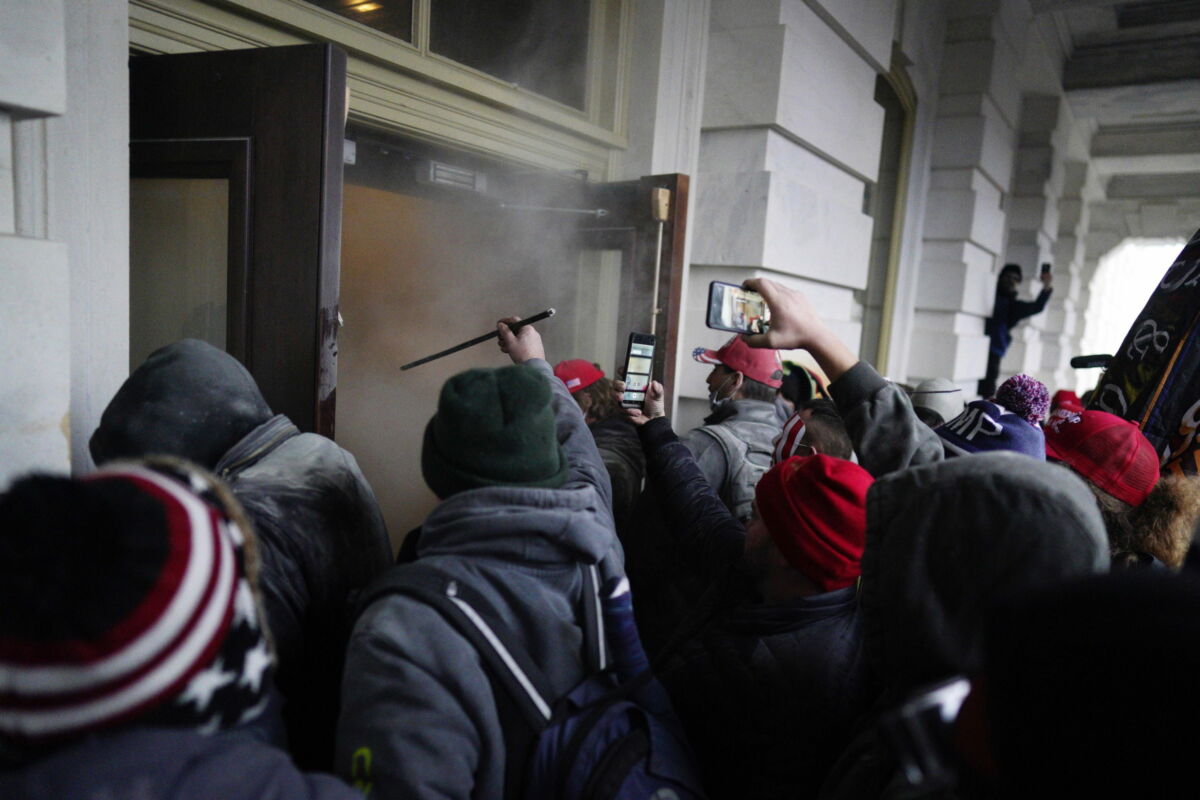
[
  {"x": 815, "y": 508},
  {"x": 1107, "y": 450},
  {"x": 757, "y": 363},
  {"x": 577, "y": 374}
]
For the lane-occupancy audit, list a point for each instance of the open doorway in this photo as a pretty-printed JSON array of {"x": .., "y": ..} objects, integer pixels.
[
  {"x": 436, "y": 246},
  {"x": 885, "y": 204}
]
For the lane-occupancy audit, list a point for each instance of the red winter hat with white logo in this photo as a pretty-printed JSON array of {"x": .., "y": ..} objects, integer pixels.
[{"x": 1107, "y": 450}]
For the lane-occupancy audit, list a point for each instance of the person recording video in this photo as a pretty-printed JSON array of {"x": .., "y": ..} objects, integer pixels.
[{"x": 1007, "y": 311}]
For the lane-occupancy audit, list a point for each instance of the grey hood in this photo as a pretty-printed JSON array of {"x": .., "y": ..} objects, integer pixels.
[
  {"x": 188, "y": 399},
  {"x": 947, "y": 540},
  {"x": 520, "y": 524}
]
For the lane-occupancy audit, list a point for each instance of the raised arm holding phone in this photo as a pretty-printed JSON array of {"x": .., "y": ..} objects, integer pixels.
[{"x": 886, "y": 432}]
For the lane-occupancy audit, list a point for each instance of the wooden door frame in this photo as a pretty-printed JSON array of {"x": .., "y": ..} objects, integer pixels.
[
  {"x": 288, "y": 104},
  {"x": 629, "y": 227}
]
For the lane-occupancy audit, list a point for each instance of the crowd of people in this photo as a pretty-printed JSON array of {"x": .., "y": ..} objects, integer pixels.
[{"x": 841, "y": 589}]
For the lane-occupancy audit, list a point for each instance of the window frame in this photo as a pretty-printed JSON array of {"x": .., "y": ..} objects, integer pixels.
[{"x": 400, "y": 87}]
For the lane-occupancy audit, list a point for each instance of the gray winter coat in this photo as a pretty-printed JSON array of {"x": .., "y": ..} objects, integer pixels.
[
  {"x": 945, "y": 542},
  {"x": 321, "y": 536},
  {"x": 418, "y": 716},
  {"x": 885, "y": 431},
  {"x": 168, "y": 764},
  {"x": 733, "y": 449}
]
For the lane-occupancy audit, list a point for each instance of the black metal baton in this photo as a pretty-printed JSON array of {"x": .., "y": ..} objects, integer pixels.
[{"x": 514, "y": 327}]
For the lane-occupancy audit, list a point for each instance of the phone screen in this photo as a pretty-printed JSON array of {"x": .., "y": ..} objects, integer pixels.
[
  {"x": 732, "y": 308},
  {"x": 639, "y": 364}
]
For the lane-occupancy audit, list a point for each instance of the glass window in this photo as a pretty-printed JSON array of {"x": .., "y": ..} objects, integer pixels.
[
  {"x": 178, "y": 262},
  {"x": 540, "y": 45},
  {"x": 393, "y": 17}
]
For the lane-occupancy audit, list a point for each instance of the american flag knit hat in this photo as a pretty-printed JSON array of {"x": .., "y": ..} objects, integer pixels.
[{"x": 125, "y": 595}]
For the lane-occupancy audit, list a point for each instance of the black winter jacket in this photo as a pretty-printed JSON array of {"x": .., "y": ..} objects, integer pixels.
[
  {"x": 769, "y": 694},
  {"x": 617, "y": 440},
  {"x": 320, "y": 533}
]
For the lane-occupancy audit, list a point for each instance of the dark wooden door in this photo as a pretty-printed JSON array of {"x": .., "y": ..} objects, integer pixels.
[
  {"x": 651, "y": 244},
  {"x": 271, "y": 122}
]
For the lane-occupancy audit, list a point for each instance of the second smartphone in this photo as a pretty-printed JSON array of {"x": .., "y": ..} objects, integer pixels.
[
  {"x": 639, "y": 364},
  {"x": 732, "y": 308}
]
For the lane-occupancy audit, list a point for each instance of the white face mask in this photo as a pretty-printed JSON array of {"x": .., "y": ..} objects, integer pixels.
[{"x": 715, "y": 401}]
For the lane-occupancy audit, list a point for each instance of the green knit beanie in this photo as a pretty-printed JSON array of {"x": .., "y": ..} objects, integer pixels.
[{"x": 493, "y": 427}]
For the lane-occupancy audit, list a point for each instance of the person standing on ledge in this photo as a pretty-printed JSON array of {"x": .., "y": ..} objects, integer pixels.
[{"x": 1007, "y": 312}]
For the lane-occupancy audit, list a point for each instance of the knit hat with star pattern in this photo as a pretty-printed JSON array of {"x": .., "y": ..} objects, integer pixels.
[{"x": 127, "y": 595}]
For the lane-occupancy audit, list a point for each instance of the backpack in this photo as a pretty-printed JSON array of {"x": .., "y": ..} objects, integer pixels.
[
  {"x": 747, "y": 459},
  {"x": 612, "y": 737}
]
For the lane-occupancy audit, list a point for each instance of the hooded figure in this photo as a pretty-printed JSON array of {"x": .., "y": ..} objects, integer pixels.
[
  {"x": 525, "y": 515},
  {"x": 944, "y": 543},
  {"x": 321, "y": 534},
  {"x": 133, "y": 656}
]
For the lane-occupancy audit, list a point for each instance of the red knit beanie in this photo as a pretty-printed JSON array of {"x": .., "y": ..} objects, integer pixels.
[{"x": 815, "y": 510}]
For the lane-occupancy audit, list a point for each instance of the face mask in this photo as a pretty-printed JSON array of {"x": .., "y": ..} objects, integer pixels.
[{"x": 715, "y": 401}]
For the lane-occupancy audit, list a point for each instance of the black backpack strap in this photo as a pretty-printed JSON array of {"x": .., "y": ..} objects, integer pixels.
[
  {"x": 468, "y": 612},
  {"x": 595, "y": 646}
]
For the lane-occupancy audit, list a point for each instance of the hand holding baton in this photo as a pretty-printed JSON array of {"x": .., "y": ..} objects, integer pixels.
[{"x": 514, "y": 327}]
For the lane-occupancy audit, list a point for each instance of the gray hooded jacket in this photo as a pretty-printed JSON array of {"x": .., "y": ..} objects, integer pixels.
[
  {"x": 945, "y": 542},
  {"x": 418, "y": 715},
  {"x": 168, "y": 764},
  {"x": 320, "y": 532},
  {"x": 886, "y": 432}
]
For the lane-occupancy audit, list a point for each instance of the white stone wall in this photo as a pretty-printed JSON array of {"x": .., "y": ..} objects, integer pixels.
[
  {"x": 791, "y": 135},
  {"x": 64, "y": 180},
  {"x": 89, "y": 209},
  {"x": 921, "y": 41},
  {"x": 34, "y": 299},
  {"x": 965, "y": 233}
]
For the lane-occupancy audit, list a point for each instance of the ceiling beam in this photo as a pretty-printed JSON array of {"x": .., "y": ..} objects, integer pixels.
[
  {"x": 1129, "y": 63},
  {"x": 1158, "y": 187},
  {"x": 1131, "y": 140},
  {"x": 1147, "y": 165}
]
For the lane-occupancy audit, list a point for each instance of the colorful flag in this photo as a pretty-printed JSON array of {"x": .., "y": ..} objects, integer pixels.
[{"x": 1154, "y": 379}]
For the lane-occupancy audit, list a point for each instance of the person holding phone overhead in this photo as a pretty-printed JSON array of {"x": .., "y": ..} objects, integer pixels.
[{"x": 1007, "y": 311}]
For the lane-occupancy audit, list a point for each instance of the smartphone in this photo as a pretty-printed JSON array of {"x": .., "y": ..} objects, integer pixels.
[
  {"x": 639, "y": 364},
  {"x": 1046, "y": 268},
  {"x": 732, "y": 308}
]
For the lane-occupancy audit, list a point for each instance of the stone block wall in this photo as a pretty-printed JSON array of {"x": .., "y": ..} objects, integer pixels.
[
  {"x": 969, "y": 203},
  {"x": 791, "y": 137}
]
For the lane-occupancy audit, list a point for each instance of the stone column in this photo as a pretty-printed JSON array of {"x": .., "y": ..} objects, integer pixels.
[
  {"x": 1064, "y": 322},
  {"x": 964, "y": 235},
  {"x": 1033, "y": 222},
  {"x": 791, "y": 135},
  {"x": 89, "y": 147},
  {"x": 35, "y": 327}
]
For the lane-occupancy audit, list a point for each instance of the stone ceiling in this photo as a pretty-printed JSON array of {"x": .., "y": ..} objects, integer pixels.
[{"x": 1132, "y": 73}]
